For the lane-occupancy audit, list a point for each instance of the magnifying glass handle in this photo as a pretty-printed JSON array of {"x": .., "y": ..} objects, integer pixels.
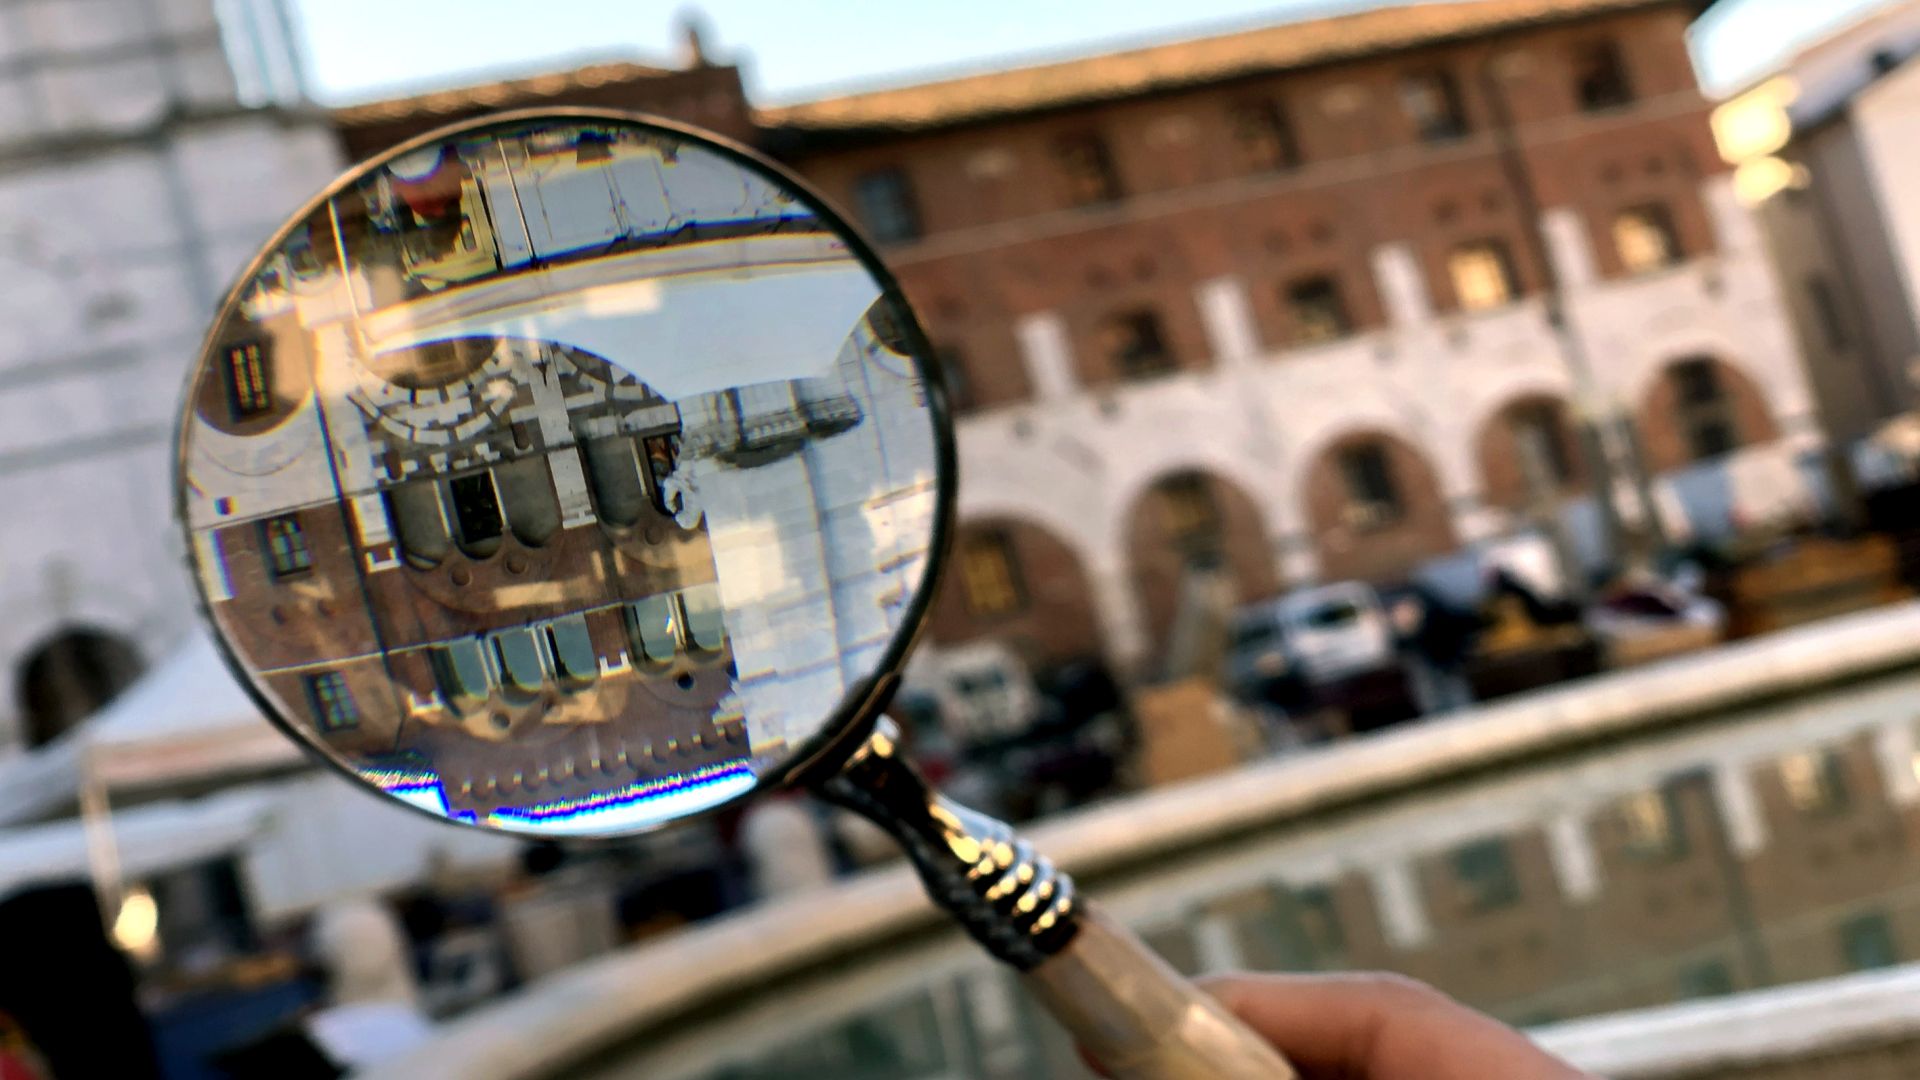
[
  {"x": 1132, "y": 1013},
  {"x": 1138, "y": 1018}
]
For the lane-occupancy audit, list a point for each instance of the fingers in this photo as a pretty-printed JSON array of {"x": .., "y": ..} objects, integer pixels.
[{"x": 1381, "y": 1027}]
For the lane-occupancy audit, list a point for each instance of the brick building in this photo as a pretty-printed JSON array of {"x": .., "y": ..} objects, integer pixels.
[
  {"x": 1298, "y": 293},
  {"x": 1306, "y": 298}
]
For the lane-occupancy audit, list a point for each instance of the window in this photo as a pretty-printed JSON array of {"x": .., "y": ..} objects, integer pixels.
[
  {"x": 1600, "y": 77},
  {"x": 1540, "y": 435},
  {"x": 286, "y": 545},
  {"x": 516, "y": 655},
  {"x": 1373, "y": 498},
  {"x": 1705, "y": 414},
  {"x": 702, "y": 615},
  {"x": 460, "y": 670},
  {"x": 1485, "y": 873},
  {"x": 988, "y": 575},
  {"x": 1867, "y": 943},
  {"x": 1319, "y": 313},
  {"x": 1816, "y": 781},
  {"x": 1482, "y": 274},
  {"x": 1653, "y": 825},
  {"x": 332, "y": 703},
  {"x": 653, "y": 626},
  {"x": 1645, "y": 239},
  {"x": 1091, "y": 179},
  {"x": 953, "y": 368},
  {"x": 1432, "y": 101},
  {"x": 1319, "y": 918},
  {"x": 884, "y": 200},
  {"x": 571, "y": 645},
  {"x": 1707, "y": 979},
  {"x": 1265, "y": 135},
  {"x": 248, "y": 374},
  {"x": 1134, "y": 346},
  {"x": 1826, "y": 312},
  {"x": 1188, "y": 514},
  {"x": 476, "y": 508}
]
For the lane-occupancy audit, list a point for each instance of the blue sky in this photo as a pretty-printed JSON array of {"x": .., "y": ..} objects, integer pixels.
[{"x": 801, "y": 48}]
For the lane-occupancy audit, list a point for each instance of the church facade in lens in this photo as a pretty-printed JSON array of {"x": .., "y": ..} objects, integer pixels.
[{"x": 475, "y": 557}]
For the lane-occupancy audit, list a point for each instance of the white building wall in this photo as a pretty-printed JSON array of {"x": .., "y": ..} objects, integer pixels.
[
  {"x": 115, "y": 245},
  {"x": 1076, "y": 461},
  {"x": 1886, "y": 126}
]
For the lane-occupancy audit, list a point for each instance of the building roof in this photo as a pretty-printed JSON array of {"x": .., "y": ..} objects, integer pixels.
[
  {"x": 1180, "y": 64},
  {"x": 532, "y": 90}
]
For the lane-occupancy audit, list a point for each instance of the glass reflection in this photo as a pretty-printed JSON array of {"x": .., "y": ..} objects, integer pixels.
[{"x": 560, "y": 477}]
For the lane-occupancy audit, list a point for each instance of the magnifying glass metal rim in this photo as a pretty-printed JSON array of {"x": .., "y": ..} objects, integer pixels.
[{"x": 848, "y": 727}]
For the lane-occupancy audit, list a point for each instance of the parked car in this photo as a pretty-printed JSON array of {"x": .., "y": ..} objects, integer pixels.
[
  {"x": 1652, "y": 619},
  {"x": 1325, "y": 647}
]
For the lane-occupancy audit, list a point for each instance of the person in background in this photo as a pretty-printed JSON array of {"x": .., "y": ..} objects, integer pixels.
[
  {"x": 68, "y": 992},
  {"x": 372, "y": 1011}
]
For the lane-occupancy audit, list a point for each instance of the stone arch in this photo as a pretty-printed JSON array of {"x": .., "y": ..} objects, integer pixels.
[
  {"x": 71, "y": 674},
  {"x": 1497, "y": 449},
  {"x": 1188, "y": 515},
  {"x": 1375, "y": 535},
  {"x": 1672, "y": 429},
  {"x": 1052, "y": 619}
]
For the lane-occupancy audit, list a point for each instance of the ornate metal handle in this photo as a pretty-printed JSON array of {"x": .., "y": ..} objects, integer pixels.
[
  {"x": 1008, "y": 896},
  {"x": 1124, "y": 1005}
]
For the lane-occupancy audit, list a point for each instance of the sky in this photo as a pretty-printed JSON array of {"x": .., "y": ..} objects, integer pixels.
[{"x": 796, "y": 49}]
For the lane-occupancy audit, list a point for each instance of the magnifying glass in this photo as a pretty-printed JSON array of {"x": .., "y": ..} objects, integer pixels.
[{"x": 571, "y": 473}]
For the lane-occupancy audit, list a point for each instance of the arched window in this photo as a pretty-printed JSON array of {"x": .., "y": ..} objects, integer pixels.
[
  {"x": 1702, "y": 409},
  {"x": 1189, "y": 515},
  {"x": 69, "y": 677},
  {"x": 990, "y": 574}
]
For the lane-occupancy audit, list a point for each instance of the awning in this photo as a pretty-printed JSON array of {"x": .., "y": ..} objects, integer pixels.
[
  {"x": 149, "y": 839},
  {"x": 187, "y": 720}
]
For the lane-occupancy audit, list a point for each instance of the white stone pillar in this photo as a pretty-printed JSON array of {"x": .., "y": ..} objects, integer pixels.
[
  {"x": 1567, "y": 246},
  {"x": 1403, "y": 289},
  {"x": 1048, "y": 355},
  {"x": 1899, "y": 759},
  {"x": 1227, "y": 314},
  {"x": 1215, "y": 945},
  {"x": 1575, "y": 866},
  {"x": 1115, "y": 604},
  {"x": 1739, "y": 808},
  {"x": 1396, "y": 895}
]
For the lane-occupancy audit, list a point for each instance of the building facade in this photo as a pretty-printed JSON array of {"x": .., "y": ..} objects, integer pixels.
[
  {"x": 478, "y": 560},
  {"x": 1304, "y": 294},
  {"x": 1825, "y": 151},
  {"x": 133, "y": 185},
  {"x": 1313, "y": 302}
]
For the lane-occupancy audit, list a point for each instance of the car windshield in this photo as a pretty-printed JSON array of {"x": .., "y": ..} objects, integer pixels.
[{"x": 1331, "y": 616}]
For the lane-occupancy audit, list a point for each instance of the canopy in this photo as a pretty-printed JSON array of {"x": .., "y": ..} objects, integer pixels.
[
  {"x": 148, "y": 839},
  {"x": 187, "y": 720}
]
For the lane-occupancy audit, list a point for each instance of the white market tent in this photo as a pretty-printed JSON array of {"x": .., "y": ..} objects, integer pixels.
[
  {"x": 187, "y": 720},
  {"x": 302, "y": 840}
]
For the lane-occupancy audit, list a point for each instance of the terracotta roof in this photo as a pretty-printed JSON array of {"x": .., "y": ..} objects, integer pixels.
[
  {"x": 505, "y": 94},
  {"x": 1178, "y": 64}
]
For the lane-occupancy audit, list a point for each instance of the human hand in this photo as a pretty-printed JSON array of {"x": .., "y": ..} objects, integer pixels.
[{"x": 1380, "y": 1027}]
